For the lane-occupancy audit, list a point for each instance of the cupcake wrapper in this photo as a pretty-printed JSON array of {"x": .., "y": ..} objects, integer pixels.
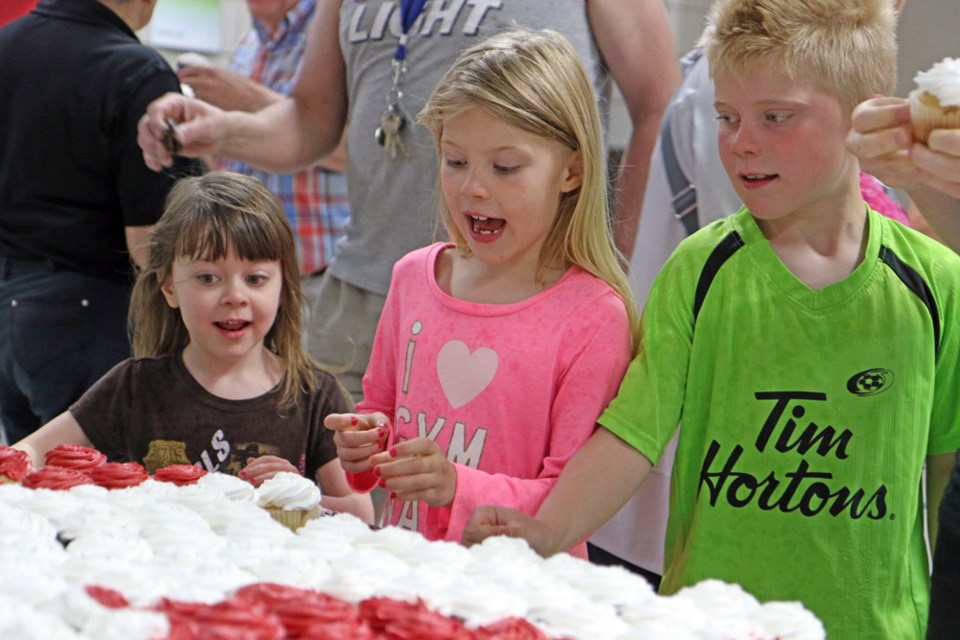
[
  {"x": 927, "y": 115},
  {"x": 293, "y": 520}
]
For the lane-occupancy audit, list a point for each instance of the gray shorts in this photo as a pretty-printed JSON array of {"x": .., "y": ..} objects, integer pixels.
[{"x": 339, "y": 325}]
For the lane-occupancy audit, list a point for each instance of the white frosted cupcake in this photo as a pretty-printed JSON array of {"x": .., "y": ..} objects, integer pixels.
[
  {"x": 935, "y": 103},
  {"x": 289, "y": 498}
]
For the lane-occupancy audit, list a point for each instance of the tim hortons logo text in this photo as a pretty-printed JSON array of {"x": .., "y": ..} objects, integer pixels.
[{"x": 805, "y": 490}]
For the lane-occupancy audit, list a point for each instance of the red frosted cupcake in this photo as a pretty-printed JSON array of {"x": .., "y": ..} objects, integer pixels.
[
  {"x": 14, "y": 465},
  {"x": 74, "y": 456},
  {"x": 307, "y": 617},
  {"x": 109, "y": 598},
  {"x": 228, "y": 619},
  {"x": 179, "y": 474},
  {"x": 57, "y": 478},
  {"x": 401, "y": 620},
  {"x": 119, "y": 475},
  {"x": 239, "y": 619},
  {"x": 510, "y": 629}
]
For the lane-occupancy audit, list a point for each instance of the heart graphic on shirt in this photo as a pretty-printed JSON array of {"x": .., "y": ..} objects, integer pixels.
[{"x": 463, "y": 375}]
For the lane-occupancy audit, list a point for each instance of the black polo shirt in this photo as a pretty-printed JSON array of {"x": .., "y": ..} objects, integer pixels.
[{"x": 74, "y": 81}]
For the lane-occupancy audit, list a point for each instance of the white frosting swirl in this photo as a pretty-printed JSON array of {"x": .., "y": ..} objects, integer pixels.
[
  {"x": 942, "y": 81},
  {"x": 288, "y": 491}
]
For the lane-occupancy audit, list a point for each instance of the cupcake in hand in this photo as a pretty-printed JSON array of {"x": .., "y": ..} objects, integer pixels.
[
  {"x": 935, "y": 103},
  {"x": 289, "y": 498}
]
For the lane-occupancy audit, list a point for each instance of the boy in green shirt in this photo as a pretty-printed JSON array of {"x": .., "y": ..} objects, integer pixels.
[{"x": 809, "y": 346}]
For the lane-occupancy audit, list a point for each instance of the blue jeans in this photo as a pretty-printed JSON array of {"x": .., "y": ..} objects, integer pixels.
[{"x": 59, "y": 332}]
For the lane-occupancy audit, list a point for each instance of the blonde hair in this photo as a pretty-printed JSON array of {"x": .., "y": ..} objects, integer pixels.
[
  {"x": 205, "y": 217},
  {"x": 535, "y": 81},
  {"x": 848, "y": 46}
]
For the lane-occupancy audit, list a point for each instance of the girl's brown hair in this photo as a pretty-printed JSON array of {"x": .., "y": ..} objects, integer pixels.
[{"x": 205, "y": 218}]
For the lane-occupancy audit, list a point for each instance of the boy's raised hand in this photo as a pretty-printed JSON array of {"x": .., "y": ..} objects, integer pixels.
[
  {"x": 263, "y": 468},
  {"x": 417, "y": 470},
  {"x": 358, "y": 436}
]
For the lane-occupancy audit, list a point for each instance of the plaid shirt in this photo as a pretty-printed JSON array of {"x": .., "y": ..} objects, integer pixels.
[{"x": 315, "y": 199}]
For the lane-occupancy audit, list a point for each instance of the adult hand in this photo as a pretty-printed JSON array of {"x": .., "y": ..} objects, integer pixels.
[
  {"x": 199, "y": 129},
  {"x": 489, "y": 521},
  {"x": 938, "y": 163},
  {"x": 358, "y": 436},
  {"x": 417, "y": 470},
  {"x": 882, "y": 138},
  {"x": 227, "y": 90},
  {"x": 263, "y": 468}
]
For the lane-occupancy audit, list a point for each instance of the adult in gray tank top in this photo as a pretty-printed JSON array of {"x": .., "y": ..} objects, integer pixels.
[{"x": 350, "y": 74}]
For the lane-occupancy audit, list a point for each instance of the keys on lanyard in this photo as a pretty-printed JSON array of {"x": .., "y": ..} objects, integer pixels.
[
  {"x": 388, "y": 133},
  {"x": 394, "y": 121}
]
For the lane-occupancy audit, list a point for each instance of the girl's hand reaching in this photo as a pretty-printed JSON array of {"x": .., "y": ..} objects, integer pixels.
[
  {"x": 417, "y": 470},
  {"x": 265, "y": 467},
  {"x": 358, "y": 436}
]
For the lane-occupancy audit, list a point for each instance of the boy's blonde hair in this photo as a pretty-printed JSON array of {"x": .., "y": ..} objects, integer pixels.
[
  {"x": 204, "y": 218},
  {"x": 848, "y": 46},
  {"x": 535, "y": 81}
]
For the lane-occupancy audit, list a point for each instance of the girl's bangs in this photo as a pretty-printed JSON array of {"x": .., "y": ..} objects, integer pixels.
[{"x": 211, "y": 235}]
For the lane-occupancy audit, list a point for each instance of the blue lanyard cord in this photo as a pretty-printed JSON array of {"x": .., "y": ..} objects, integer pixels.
[{"x": 409, "y": 12}]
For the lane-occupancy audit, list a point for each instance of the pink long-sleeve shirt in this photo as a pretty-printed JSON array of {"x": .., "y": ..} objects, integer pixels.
[{"x": 508, "y": 391}]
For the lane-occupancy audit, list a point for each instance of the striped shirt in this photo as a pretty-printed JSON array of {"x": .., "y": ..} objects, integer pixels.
[{"x": 314, "y": 199}]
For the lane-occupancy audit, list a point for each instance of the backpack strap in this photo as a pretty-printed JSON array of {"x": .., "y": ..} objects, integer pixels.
[{"x": 684, "y": 201}]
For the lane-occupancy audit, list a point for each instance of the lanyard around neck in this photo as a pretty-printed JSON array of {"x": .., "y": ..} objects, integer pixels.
[{"x": 409, "y": 12}]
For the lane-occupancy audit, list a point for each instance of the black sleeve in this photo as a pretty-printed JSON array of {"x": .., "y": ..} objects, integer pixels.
[{"x": 141, "y": 191}]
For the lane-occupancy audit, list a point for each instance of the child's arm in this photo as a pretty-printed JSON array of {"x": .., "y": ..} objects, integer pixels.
[
  {"x": 62, "y": 429},
  {"x": 337, "y": 494},
  {"x": 592, "y": 487},
  {"x": 938, "y": 475}
]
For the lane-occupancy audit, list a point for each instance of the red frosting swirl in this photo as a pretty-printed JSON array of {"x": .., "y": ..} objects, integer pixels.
[
  {"x": 179, "y": 474},
  {"x": 52, "y": 477},
  {"x": 400, "y": 620},
  {"x": 233, "y": 619},
  {"x": 510, "y": 629},
  {"x": 14, "y": 463},
  {"x": 118, "y": 475},
  {"x": 273, "y": 593},
  {"x": 107, "y": 597},
  {"x": 308, "y": 614},
  {"x": 239, "y": 619},
  {"x": 74, "y": 456},
  {"x": 320, "y": 613}
]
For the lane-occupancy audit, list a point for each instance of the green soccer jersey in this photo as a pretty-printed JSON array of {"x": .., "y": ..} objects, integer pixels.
[{"x": 806, "y": 419}]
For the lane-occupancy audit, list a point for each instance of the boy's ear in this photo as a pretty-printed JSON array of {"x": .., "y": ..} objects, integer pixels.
[
  {"x": 166, "y": 287},
  {"x": 574, "y": 175}
]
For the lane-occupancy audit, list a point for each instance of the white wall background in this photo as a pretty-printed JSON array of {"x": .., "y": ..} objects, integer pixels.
[{"x": 927, "y": 34}]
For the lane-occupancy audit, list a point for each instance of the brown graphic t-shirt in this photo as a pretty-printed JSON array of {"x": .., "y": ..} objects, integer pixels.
[{"x": 152, "y": 411}]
